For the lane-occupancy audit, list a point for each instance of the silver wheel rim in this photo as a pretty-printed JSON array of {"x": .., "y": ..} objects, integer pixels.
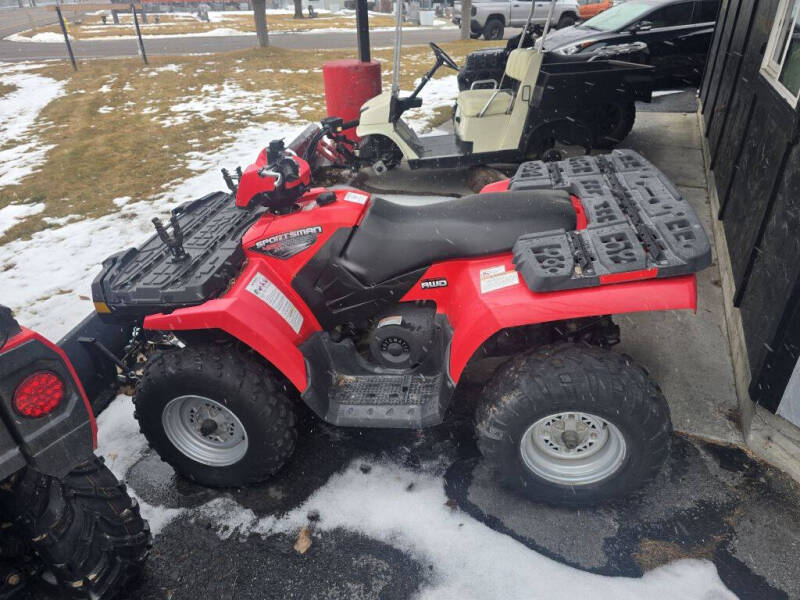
[
  {"x": 573, "y": 448},
  {"x": 204, "y": 430}
]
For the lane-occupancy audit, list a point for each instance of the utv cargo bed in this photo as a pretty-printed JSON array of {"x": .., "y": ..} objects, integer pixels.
[
  {"x": 143, "y": 280},
  {"x": 639, "y": 225}
]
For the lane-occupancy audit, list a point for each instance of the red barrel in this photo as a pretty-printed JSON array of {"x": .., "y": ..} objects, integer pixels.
[{"x": 348, "y": 84}]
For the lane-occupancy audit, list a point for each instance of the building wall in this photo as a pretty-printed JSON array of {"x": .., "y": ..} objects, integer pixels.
[{"x": 755, "y": 157}]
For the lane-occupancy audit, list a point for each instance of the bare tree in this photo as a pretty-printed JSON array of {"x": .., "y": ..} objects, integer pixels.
[
  {"x": 466, "y": 18},
  {"x": 298, "y": 9},
  {"x": 260, "y": 17}
]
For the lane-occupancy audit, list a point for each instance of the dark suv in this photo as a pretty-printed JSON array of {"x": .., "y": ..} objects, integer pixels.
[{"x": 677, "y": 33}]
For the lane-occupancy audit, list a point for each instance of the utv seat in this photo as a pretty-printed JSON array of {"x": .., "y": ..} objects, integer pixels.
[
  {"x": 473, "y": 102},
  {"x": 394, "y": 238}
]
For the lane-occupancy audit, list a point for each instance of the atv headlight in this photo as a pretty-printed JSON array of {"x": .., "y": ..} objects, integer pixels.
[{"x": 573, "y": 48}]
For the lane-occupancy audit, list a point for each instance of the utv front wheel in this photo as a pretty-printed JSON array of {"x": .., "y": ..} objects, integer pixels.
[
  {"x": 216, "y": 414},
  {"x": 573, "y": 425}
]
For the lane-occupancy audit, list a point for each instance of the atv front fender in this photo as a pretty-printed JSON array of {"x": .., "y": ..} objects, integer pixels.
[
  {"x": 477, "y": 311},
  {"x": 240, "y": 317}
]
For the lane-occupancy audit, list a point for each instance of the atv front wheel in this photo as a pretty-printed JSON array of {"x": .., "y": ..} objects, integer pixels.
[
  {"x": 573, "y": 425},
  {"x": 216, "y": 415},
  {"x": 85, "y": 528}
]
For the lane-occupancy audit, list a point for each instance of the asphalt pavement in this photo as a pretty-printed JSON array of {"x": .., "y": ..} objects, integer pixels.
[
  {"x": 14, "y": 20},
  {"x": 711, "y": 502},
  {"x": 155, "y": 46}
]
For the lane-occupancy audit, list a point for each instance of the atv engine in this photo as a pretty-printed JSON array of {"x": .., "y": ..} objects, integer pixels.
[{"x": 401, "y": 336}]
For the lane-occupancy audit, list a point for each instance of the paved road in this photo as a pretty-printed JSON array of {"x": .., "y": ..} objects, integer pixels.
[
  {"x": 20, "y": 51},
  {"x": 19, "y": 19}
]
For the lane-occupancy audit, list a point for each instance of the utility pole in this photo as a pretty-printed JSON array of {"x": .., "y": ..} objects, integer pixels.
[
  {"x": 66, "y": 37},
  {"x": 362, "y": 26},
  {"x": 466, "y": 18}
]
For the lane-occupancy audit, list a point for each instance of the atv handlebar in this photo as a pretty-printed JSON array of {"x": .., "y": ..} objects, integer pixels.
[{"x": 276, "y": 175}]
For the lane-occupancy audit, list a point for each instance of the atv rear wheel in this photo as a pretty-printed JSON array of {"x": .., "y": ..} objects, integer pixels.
[
  {"x": 85, "y": 528},
  {"x": 216, "y": 414},
  {"x": 573, "y": 425}
]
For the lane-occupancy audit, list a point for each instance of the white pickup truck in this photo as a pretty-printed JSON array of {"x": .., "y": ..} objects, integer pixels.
[{"x": 491, "y": 17}]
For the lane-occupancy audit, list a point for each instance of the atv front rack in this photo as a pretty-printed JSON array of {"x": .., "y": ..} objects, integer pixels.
[
  {"x": 639, "y": 225},
  {"x": 153, "y": 278}
]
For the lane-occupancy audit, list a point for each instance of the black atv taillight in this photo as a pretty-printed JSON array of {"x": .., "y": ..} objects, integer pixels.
[{"x": 39, "y": 394}]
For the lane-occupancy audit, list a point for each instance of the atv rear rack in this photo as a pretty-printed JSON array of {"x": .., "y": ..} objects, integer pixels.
[{"x": 639, "y": 225}]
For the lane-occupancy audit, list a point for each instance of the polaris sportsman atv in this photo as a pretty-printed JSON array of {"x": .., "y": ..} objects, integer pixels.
[
  {"x": 369, "y": 310},
  {"x": 63, "y": 514}
]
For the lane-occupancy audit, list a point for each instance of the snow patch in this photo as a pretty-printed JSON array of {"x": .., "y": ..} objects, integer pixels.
[
  {"x": 437, "y": 92},
  {"x": 229, "y": 97},
  {"x": 19, "y": 108},
  {"x": 48, "y": 37},
  {"x": 461, "y": 549},
  {"x": 18, "y": 112},
  {"x": 15, "y": 213}
]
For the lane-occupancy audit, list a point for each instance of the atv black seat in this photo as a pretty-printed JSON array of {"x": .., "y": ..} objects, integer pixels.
[{"x": 397, "y": 238}]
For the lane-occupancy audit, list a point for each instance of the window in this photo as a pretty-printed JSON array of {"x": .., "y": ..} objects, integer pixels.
[
  {"x": 672, "y": 16},
  {"x": 706, "y": 11},
  {"x": 617, "y": 17},
  {"x": 781, "y": 65}
]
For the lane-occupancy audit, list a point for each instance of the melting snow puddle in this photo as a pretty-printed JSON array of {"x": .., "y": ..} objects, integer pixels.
[{"x": 469, "y": 559}]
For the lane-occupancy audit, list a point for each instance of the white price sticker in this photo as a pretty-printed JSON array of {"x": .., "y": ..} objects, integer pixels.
[
  {"x": 356, "y": 198},
  {"x": 263, "y": 289},
  {"x": 496, "y": 278}
]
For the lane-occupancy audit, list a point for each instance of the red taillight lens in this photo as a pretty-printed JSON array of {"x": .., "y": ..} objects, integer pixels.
[{"x": 39, "y": 394}]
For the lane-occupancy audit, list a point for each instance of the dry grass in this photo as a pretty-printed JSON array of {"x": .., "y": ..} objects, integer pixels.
[
  {"x": 92, "y": 26},
  {"x": 132, "y": 150},
  {"x": 6, "y": 88}
]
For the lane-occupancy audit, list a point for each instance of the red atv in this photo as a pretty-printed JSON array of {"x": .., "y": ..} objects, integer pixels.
[
  {"x": 63, "y": 514},
  {"x": 370, "y": 309}
]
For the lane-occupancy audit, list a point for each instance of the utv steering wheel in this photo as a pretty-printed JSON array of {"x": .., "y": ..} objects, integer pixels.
[{"x": 443, "y": 57}]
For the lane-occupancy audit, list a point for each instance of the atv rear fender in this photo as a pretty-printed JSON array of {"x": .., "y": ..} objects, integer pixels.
[{"x": 476, "y": 311}]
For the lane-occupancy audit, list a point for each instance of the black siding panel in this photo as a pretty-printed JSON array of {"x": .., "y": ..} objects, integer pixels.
[
  {"x": 752, "y": 185},
  {"x": 731, "y": 81},
  {"x": 714, "y": 50},
  {"x": 718, "y": 73},
  {"x": 776, "y": 267}
]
